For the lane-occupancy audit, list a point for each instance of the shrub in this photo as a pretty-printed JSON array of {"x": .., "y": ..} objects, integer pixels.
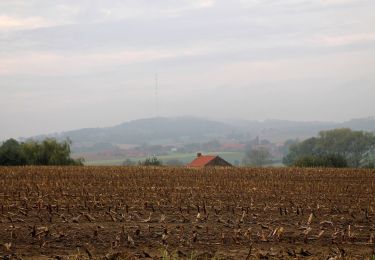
[
  {"x": 151, "y": 161},
  {"x": 330, "y": 160}
]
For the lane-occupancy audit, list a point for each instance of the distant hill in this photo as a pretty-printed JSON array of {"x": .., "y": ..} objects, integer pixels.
[
  {"x": 281, "y": 130},
  {"x": 365, "y": 124},
  {"x": 172, "y": 131},
  {"x": 159, "y": 130}
]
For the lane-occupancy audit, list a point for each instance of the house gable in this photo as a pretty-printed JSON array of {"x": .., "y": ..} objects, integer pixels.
[
  {"x": 208, "y": 161},
  {"x": 218, "y": 161}
]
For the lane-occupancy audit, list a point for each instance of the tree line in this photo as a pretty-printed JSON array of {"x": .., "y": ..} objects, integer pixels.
[
  {"x": 334, "y": 148},
  {"x": 46, "y": 152}
]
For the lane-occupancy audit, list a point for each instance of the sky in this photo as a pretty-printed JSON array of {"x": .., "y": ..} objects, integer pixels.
[{"x": 69, "y": 64}]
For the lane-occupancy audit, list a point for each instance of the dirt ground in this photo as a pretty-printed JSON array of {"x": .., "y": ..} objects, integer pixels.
[{"x": 178, "y": 213}]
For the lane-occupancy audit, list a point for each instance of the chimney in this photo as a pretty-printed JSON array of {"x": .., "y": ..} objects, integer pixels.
[{"x": 199, "y": 154}]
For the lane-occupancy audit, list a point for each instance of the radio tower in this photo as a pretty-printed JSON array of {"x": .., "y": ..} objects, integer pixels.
[{"x": 156, "y": 96}]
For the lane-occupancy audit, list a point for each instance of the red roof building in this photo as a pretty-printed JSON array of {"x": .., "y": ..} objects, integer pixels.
[{"x": 208, "y": 161}]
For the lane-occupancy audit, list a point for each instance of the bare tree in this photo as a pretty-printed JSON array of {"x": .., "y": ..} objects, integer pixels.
[{"x": 259, "y": 157}]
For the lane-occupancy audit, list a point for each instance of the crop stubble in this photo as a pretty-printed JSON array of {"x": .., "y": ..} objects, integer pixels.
[{"x": 140, "y": 212}]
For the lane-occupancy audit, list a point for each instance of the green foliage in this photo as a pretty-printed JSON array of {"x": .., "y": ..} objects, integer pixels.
[
  {"x": 11, "y": 153},
  {"x": 370, "y": 165},
  {"x": 298, "y": 150},
  {"x": 369, "y": 161},
  {"x": 47, "y": 152},
  {"x": 151, "y": 161},
  {"x": 353, "y": 146},
  {"x": 331, "y": 160},
  {"x": 287, "y": 144},
  {"x": 257, "y": 157}
]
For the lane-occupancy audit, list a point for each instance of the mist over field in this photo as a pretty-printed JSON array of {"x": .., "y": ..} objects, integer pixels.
[
  {"x": 74, "y": 64},
  {"x": 187, "y": 129}
]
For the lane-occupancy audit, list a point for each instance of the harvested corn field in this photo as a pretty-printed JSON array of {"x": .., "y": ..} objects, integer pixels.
[{"x": 178, "y": 213}]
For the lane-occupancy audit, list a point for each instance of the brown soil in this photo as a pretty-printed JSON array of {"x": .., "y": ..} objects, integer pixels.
[{"x": 176, "y": 213}]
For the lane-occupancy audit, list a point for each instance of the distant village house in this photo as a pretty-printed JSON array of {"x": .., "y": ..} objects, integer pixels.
[{"x": 208, "y": 161}]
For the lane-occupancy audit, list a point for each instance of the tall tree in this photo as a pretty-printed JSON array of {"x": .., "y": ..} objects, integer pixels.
[
  {"x": 259, "y": 157},
  {"x": 11, "y": 153},
  {"x": 353, "y": 145}
]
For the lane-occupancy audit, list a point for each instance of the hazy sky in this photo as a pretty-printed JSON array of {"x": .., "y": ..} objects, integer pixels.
[{"x": 67, "y": 64}]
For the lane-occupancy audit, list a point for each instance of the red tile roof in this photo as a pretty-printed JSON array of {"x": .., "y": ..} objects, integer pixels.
[{"x": 201, "y": 161}]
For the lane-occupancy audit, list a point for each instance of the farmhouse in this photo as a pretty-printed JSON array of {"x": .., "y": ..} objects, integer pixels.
[{"x": 208, "y": 161}]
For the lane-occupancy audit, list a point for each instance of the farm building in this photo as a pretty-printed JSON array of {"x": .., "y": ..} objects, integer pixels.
[{"x": 208, "y": 161}]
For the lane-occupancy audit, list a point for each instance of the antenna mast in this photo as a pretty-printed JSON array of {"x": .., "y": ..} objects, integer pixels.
[{"x": 156, "y": 95}]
